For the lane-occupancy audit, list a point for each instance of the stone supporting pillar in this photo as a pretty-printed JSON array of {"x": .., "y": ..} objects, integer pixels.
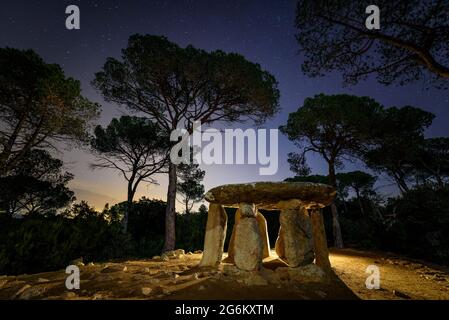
[
  {"x": 231, "y": 251},
  {"x": 215, "y": 236},
  {"x": 263, "y": 230},
  {"x": 294, "y": 244},
  {"x": 248, "y": 244},
  {"x": 319, "y": 240}
]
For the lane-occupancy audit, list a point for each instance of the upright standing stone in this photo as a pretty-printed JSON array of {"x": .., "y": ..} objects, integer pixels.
[
  {"x": 279, "y": 246},
  {"x": 263, "y": 230},
  {"x": 231, "y": 251},
  {"x": 247, "y": 210},
  {"x": 319, "y": 240},
  {"x": 296, "y": 236},
  {"x": 215, "y": 236},
  {"x": 248, "y": 244}
]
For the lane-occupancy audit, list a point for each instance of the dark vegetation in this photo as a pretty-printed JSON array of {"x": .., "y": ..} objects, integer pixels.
[{"x": 37, "y": 242}]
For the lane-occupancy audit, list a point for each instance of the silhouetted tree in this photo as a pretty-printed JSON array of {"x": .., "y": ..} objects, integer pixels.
[
  {"x": 38, "y": 106},
  {"x": 412, "y": 42},
  {"x": 176, "y": 86},
  {"x": 316, "y": 178},
  {"x": 298, "y": 164},
  {"x": 433, "y": 160},
  {"x": 396, "y": 142},
  {"x": 136, "y": 147},
  {"x": 334, "y": 127},
  {"x": 190, "y": 187},
  {"x": 38, "y": 185},
  {"x": 361, "y": 183}
]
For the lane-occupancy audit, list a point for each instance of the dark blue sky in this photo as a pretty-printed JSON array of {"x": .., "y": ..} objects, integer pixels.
[{"x": 262, "y": 30}]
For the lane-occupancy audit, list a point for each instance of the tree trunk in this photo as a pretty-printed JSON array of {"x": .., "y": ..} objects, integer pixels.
[
  {"x": 338, "y": 239},
  {"x": 359, "y": 200},
  {"x": 170, "y": 213},
  {"x": 129, "y": 201},
  {"x": 400, "y": 181},
  {"x": 187, "y": 206}
]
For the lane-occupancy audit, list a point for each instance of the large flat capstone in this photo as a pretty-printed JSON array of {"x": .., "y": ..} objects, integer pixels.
[{"x": 268, "y": 194}]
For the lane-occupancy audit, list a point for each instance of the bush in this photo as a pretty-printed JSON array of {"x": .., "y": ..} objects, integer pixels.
[
  {"x": 38, "y": 243},
  {"x": 421, "y": 227}
]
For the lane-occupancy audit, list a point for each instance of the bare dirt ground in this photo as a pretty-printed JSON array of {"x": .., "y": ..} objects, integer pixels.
[{"x": 180, "y": 278}]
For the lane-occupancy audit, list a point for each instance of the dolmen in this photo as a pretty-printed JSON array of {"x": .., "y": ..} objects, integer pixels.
[{"x": 301, "y": 240}]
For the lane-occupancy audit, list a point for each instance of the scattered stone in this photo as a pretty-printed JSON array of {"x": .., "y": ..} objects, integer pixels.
[
  {"x": 309, "y": 273},
  {"x": 125, "y": 269},
  {"x": 165, "y": 257},
  {"x": 321, "y": 293},
  {"x": 202, "y": 287},
  {"x": 401, "y": 294},
  {"x": 3, "y": 283},
  {"x": 69, "y": 295},
  {"x": 228, "y": 269},
  {"x": 255, "y": 279},
  {"x": 29, "y": 292},
  {"x": 282, "y": 273},
  {"x": 97, "y": 296},
  {"x": 189, "y": 253},
  {"x": 147, "y": 270},
  {"x": 110, "y": 269},
  {"x": 42, "y": 280},
  {"x": 78, "y": 262},
  {"x": 194, "y": 276},
  {"x": 270, "y": 275},
  {"x": 160, "y": 290},
  {"x": 146, "y": 291},
  {"x": 91, "y": 264},
  {"x": 198, "y": 251},
  {"x": 156, "y": 258},
  {"x": 179, "y": 251},
  {"x": 20, "y": 291}
]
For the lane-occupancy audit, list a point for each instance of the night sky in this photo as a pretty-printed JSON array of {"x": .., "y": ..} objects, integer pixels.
[{"x": 262, "y": 30}]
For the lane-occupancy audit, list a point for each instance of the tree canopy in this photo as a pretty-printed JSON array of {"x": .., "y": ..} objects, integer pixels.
[
  {"x": 334, "y": 127},
  {"x": 189, "y": 184},
  {"x": 134, "y": 146},
  {"x": 396, "y": 142},
  {"x": 38, "y": 106},
  {"x": 37, "y": 186},
  {"x": 411, "y": 44}
]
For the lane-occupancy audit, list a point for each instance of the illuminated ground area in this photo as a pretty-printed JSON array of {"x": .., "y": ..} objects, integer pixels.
[{"x": 182, "y": 279}]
